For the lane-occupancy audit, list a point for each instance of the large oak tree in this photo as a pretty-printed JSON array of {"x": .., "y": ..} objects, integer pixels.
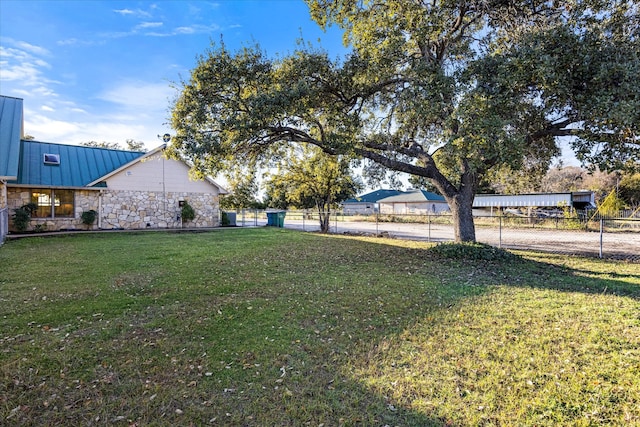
[{"x": 440, "y": 89}]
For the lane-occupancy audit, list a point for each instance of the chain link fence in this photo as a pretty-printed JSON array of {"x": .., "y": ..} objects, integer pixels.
[{"x": 604, "y": 237}]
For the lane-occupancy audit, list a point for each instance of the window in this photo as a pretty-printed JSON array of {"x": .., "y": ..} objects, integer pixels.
[
  {"x": 63, "y": 203},
  {"x": 52, "y": 203}
]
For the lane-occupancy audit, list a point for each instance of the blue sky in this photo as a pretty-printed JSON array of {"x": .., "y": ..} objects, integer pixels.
[{"x": 103, "y": 70}]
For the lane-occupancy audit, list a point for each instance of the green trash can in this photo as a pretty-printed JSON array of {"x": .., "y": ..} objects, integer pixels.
[{"x": 281, "y": 216}]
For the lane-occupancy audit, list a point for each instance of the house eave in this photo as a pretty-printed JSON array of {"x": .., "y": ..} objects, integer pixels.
[{"x": 9, "y": 185}]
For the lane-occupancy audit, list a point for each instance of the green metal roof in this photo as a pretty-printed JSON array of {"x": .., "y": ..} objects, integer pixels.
[
  {"x": 374, "y": 196},
  {"x": 79, "y": 165},
  {"x": 10, "y": 133}
]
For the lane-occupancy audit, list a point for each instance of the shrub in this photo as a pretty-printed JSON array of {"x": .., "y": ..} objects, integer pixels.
[
  {"x": 88, "y": 217},
  {"x": 187, "y": 213},
  {"x": 474, "y": 251},
  {"x": 22, "y": 216}
]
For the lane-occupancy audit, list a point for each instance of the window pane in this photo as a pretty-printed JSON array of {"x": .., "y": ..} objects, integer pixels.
[
  {"x": 63, "y": 206},
  {"x": 42, "y": 198}
]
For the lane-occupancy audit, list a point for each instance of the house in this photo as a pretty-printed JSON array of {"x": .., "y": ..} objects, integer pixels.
[
  {"x": 414, "y": 202},
  {"x": 126, "y": 189},
  {"x": 10, "y": 134},
  {"x": 367, "y": 204}
]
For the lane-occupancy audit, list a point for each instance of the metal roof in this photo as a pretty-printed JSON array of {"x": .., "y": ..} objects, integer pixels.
[
  {"x": 10, "y": 134},
  {"x": 79, "y": 165},
  {"x": 414, "y": 196},
  {"x": 584, "y": 198},
  {"x": 373, "y": 197}
]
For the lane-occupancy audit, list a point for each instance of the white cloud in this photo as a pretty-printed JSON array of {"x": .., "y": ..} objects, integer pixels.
[
  {"x": 65, "y": 128},
  {"x": 137, "y": 12},
  {"x": 131, "y": 110},
  {"x": 139, "y": 95},
  {"x": 149, "y": 25},
  {"x": 44, "y": 128},
  {"x": 186, "y": 30},
  {"x": 25, "y": 70},
  {"x": 36, "y": 50}
]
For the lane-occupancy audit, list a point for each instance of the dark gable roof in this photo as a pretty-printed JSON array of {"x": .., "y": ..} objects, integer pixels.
[
  {"x": 10, "y": 134},
  {"x": 79, "y": 165},
  {"x": 374, "y": 196},
  {"x": 411, "y": 196}
]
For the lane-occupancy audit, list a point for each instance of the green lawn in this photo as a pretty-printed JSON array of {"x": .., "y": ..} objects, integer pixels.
[{"x": 265, "y": 327}]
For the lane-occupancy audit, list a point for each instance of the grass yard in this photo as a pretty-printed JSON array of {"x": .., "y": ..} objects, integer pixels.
[{"x": 270, "y": 327}]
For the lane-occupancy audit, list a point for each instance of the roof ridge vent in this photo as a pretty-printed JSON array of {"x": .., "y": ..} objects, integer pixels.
[{"x": 51, "y": 159}]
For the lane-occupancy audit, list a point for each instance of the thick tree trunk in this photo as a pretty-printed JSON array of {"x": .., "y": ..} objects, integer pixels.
[
  {"x": 462, "y": 213},
  {"x": 325, "y": 217}
]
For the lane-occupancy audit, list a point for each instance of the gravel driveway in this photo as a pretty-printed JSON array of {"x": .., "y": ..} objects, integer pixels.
[{"x": 617, "y": 245}]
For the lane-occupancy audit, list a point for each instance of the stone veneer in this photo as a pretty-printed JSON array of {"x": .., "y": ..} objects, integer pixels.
[
  {"x": 148, "y": 209},
  {"x": 125, "y": 210},
  {"x": 3, "y": 194}
]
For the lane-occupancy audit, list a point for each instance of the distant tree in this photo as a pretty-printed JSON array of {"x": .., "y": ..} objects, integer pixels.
[
  {"x": 610, "y": 205},
  {"x": 507, "y": 180},
  {"x": 309, "y": 178},
  {"x": 629, "y": 190},
  {"x": 29, "y": 137},
  {"x": 103, "y": 144},
  {"x": 276, "y": 195},
  {"x": 243, "y": 187},
  {"x": 600, "y": 182},
  {"x": 564, "y": 179},
  {"x": 133, "y": 145}
]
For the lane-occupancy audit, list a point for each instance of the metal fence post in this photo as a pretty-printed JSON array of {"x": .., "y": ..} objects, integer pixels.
[
  {"x": 500, "y": 232},
  {"x": 428, "y": 227},
  {"x": 601, "y": 233}
]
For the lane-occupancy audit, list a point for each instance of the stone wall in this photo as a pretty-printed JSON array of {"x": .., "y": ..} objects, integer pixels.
[
  {"x": 84, "y": 200},
  {"x": 148, "y": 209},
  {"x": 3, "y": 194},
  {"x": 124, "y": 210}
]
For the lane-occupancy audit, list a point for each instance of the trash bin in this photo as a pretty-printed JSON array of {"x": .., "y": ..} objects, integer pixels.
[
  {"x": 276, "y": 218},
  {"x": 272, "y": 219},
  {"x": 229, "y": 219}
]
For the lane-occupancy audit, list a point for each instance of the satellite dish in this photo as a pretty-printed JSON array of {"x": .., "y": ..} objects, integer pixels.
[{"x": 166, "y": 137}]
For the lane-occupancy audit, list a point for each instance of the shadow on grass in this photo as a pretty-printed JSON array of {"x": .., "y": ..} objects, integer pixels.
[{"x": 263, "y": 327}]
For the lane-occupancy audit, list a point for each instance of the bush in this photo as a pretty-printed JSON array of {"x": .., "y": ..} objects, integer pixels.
[
  {"x": 22, "y": 216},
  {"x": 474, "y": 251},
  {"x": 88, "y": 217},
  {"x": 187, "y": 213}
]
